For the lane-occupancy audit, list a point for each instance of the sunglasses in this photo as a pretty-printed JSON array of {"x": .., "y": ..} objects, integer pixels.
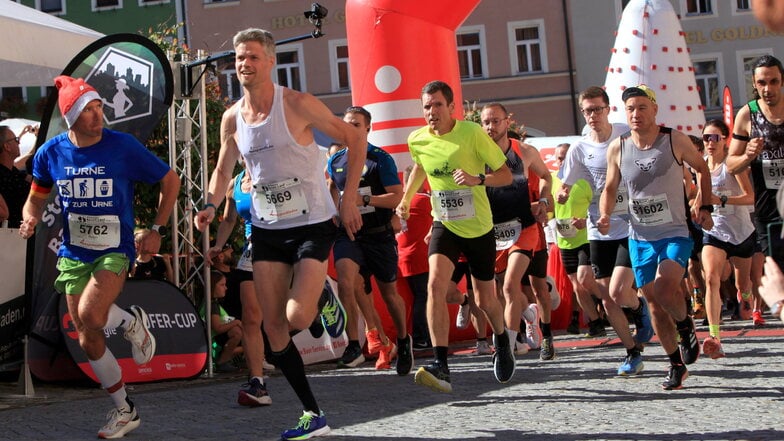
[{"x": 712, "y": 138}]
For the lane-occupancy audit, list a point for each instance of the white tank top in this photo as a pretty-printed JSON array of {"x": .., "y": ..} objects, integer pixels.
[
  {"x": 289, "y": 186},
  {"x": 732, "y": 223}
]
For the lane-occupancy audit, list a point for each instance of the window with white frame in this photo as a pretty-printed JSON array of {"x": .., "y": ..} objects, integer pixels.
[
  {"x": 106, "y": 5},
  {"x": 51, "y": 6},
  {"x": 527, "y": 46},
  {"x": 153, "y": 2},
  {"x": 289, "y": 67},
  {"x": 697, "y": 7},
  {"x": 471, "y": 52},
  {"x": 229, "y": 84},
  {"x": 339, "y": 65},
  {"x": 706, "y": 72},
  {"x": 742, "y": 5}
]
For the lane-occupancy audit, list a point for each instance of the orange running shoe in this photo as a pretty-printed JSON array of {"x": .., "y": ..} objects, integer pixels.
[
  {"x": 374, "y": 341},
  {"x": 712, "y": 348},
  {"x": 385, "y": 356},
  {"x": 756, "y": 318}
]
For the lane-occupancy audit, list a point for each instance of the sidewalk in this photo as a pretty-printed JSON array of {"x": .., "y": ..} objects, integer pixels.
[{"x": 575, "y": 397}]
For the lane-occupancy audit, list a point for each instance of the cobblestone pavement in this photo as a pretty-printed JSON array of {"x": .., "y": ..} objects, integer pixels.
[{"x": 575, "y": 397}]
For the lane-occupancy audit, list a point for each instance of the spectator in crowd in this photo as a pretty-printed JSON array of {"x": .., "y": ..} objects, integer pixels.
[
  {"x": 226, "y": 330},
  {"x": 14, "y": 183},
  {"x": 149, "y": 266}
]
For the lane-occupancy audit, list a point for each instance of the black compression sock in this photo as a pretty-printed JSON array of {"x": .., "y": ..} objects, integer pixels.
[
  {"x": 441, "y": 353},
  {"x": 545, "y": 327},
  {"x": 290, "y": 363}
]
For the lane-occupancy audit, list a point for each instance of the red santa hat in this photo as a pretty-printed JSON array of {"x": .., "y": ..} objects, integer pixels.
[{"x": 74, "y": 95}]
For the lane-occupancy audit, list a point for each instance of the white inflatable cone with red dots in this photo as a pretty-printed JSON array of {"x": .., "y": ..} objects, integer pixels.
[{"x": 650, "y": 49}]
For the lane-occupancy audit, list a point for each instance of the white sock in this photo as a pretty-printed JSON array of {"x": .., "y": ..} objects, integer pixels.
[
  {"x": 118, "y": 318},
  {"x": 261, "y": 380},
  {"x": 512, "y": 337},
  {"x": 109, "y": 374}
]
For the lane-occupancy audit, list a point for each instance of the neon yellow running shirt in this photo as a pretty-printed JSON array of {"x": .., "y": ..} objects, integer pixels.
[
  {"x": 466, "y": 147},
  {"x": 580, "y": 195}
]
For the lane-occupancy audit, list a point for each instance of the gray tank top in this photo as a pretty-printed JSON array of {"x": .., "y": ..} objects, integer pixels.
[{"x": 654, "y": 180}]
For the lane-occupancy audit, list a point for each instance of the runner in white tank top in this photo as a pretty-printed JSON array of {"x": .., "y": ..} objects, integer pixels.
[
  {"x": 292, "y": 232},
  {"x": 732, "y": 237}
]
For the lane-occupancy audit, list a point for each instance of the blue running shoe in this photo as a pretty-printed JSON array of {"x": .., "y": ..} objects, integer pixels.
[
  {"x": 309, "y": 425},
  {"x": 632, "y": 365},
  {"x": 642, "y": 322},
  {"x": 333, "y": 316}
]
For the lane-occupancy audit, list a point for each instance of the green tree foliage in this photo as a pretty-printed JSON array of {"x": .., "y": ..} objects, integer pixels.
[{"x": 147, "y": 196}]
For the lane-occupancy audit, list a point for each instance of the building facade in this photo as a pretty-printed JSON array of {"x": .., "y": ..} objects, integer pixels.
[
  {"x": 534, "y": 57},
  {"x": 722, "y": 36},
  {"x": 509, "y": 54}
]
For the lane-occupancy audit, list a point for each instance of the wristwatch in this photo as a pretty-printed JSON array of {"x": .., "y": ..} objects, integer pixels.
[
  {"x": 160, "y": 229},
  {"x": 723, "y": 198},
  {"x": 481, "y": 177},
  {"x": 365, "y": 200},
  {"x": 708, "y": 208}
]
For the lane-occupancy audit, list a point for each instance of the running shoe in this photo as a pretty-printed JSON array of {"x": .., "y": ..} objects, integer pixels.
[
  {"x": 632, "y": 365},
  {"x": 142, "y": 340},
  {"x": 120, "y": 422},
  {"x": 405, "y": 359},
  {"x": 503, "y": 360},
  {"x": 333, "y": 316},
  {"x": 309, "y": 425},
  {"x": 254, "y": 394},
  {"x": 385, "y": 356},
  {"x": 689, "y": 345},
  {"x": 711, "y": 347},
  {"x": 435, "y": 376},
  {"x": 573, "y": 327},
  {"x": 463, "y": 318},
  {"x": 533, "y": 335},
  {"x": 482, "y": 348},
  {"x": 596, "y": 329},
  {"x": 423, "y": 345},
  {"x": 352, "y": 357},
  {"x": 642, "y": 323},
  {"x": 744, "y": 300},
  {"x": 547, "y": 351},
  {"x": 373, "y": 341},
  {"x": 675, "y": 377},
  {"x": 756, "y": 318}
]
